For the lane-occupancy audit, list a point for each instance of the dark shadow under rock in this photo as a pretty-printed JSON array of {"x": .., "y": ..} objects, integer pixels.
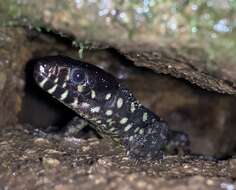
[{"x": 167, "y": 60}]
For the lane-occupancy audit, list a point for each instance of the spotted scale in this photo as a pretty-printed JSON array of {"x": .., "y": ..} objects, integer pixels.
[{"x": 98, "y": 97}]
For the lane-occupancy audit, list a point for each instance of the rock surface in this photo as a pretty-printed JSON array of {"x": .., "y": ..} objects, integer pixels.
[{"x": 11, "y": 82}]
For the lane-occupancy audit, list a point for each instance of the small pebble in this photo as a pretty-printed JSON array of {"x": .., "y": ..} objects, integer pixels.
[
  {"x": 50, "y": 162},
  {"x": 41, "y": 141}
]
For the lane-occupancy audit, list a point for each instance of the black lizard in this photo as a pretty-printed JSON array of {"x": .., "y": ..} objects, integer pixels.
[{"x": 110, "y": 107}]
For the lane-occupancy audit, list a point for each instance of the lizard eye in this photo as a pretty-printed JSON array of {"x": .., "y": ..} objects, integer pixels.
[{"x": 77, "y": 76}]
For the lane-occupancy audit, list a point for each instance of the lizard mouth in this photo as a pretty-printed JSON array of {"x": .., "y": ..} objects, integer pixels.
[
  {"x": 44, "y": 74},
  {"x": 50, "y": 72},
  {"x": 51, "y": 78},
  {"x": 44, "y": 69}
]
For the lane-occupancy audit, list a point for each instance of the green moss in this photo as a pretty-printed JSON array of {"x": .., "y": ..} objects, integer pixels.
[{"x": 209, "y": 25}]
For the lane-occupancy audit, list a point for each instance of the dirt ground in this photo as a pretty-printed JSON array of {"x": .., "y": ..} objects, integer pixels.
[{"x": 31, "y": 161}]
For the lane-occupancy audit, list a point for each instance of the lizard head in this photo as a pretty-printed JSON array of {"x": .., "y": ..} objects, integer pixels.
[{"x": 77, "y": 84}]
